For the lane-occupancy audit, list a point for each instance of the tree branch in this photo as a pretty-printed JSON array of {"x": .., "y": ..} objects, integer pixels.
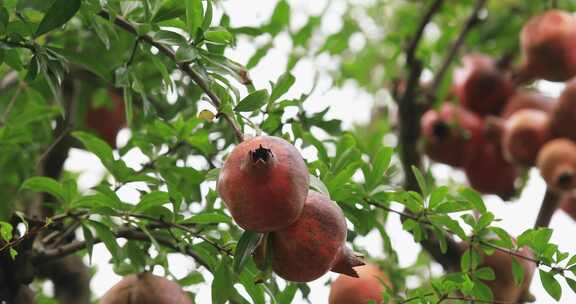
[
  {"x": 46, "y": 255},
  {"x": 453, "y": 52},
  {"x": 413, "y": 45},
  {"x": 547, "y": 209},
  {"x": 185, "y": 67}
]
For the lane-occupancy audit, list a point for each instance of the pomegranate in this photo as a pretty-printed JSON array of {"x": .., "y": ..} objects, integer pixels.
[
  {"x": 548, "y": 42},
  {"x": 527, "y": 100},
  {"x": 368, "y": 286},
  {"x": 568, "y": 204},
  {"x": 107, "y": 121},
  {"x": 264, "y": 183},
  {"x": 503, "y": 287},
  {"x": 451, "y": 134},
  {"x": 488, "y": 172},
  {"x": 145, "y": 288},
  {"x": 564, "y": 113},
  {"x": 481, "y": 86},
  {"x": 557, "y": 164},
  {"x": 525, "y": 132},
  {"x": 314, "y": 244}
]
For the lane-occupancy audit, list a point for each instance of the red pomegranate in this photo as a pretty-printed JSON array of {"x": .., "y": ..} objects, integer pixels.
[
  {"x": 145, "y": 288},
  {"x": 264, "y": 183},
  {"x": 368, "y": 286},
  {"x": 481, "y": 86},
  {"x": 557, "y": 164},
  {"x": 568, "y": 204},
  {"x": 106, "y": 121},
  {"x": 489, "y": 173},
  {"x": 527, "y": 100},
  {"x": 314, "y": 244},
  {"x": 564, "y": 113},
  {"x": 525, "y": 132},
  {"x": 548, "y": 42},
  {"x": 451, "y": 134}
]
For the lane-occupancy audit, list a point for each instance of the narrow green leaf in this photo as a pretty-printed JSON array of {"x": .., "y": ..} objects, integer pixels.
[
  {"x": 280, "y": 18},
  {"x": 89, "y": 239},
  {"x": 223, "y": 283},
  {"x": 474, "y": 198},
  {"x": 186, "y": 53},
  {"x": 420, "y": 179},
  {"x": 6, "y": 231},
  {"x": 380, "y": 164},
  {"x": 551, "y": 285},
  {"x": 246, "y": 246},
  {"x": 485, "y": 273},
  {"x": 57, "y": 15},
  {"x": 283, "y": 84},
  {"x": 208, "y": 218},
  {"x": 45, "y": 184},
  {"x": 107, "y": 237},
  {"x": 152, "y": 199},
  {"x": 219, "y": 35},
  {"x": 437, "y": 196},
  {"x": 252, "y": 102},
  {"x": 193, "y": 16},
  {"x": 97, "y": 146},
  {"x": 571, "y": 283},
  {"x": 128, "y": 106}
]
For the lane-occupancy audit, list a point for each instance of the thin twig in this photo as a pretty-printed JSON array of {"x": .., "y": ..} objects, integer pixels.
[
  {"x": 413, "y": 45},
  {"x": 185, "y": 67},
  {"x": 453, "y": 51}
]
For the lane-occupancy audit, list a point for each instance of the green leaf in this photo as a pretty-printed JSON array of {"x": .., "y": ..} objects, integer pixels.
[
  {"x": 571, "y": 283},
  {"x": 280, "y": 18},
  {"x": 551, "y": 285},
  {"x": 89, "y": 239},
  {"x": 437, "y": 196},
  {"x": 6, "y": 231},
  {"x": 192, "y": 278},
  {"x": 186, "y": 53},
  {"x": 244, "y": 249},
  {"x": 45, "y": 184},
  {"x": 107, "y": 237},
  {"x": 252, "y": 102},
  {"x": 474, "y": 198},
  {"x": 97, "y": 146},
  {"x": 283, "y": 84},
  {"x": 223, "y": 283},
  {"x": 57, "y": 15},
  {"x": 485, "y": 273},
  {"x": 219, "y": 35},
  {"x": 484, "y": 220},
  {"x": 420, "y": 179},
  {"x": 151, "y": 200},
  {"x": 169, "y": 37},
  {"x": 208, "y": 218},
  {"x": 193, "y": 16}
]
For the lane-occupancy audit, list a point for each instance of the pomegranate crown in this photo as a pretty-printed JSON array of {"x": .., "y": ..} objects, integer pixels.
[{"x": 261, "y": 155}]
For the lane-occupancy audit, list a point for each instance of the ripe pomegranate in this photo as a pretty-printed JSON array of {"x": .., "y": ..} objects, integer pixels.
[
  {"x": 548, "y": 42},
  {"x": 314, "y": 244},
  {"x": 450, "y": 135},
  {"x": 503, "y": 287},
  {"x": 564, "y": 113},
  {"x": 488, "y": 172},
  {"x": 368, "y": 286},
  {"x": 525, "y": 132},
  {"x": 107, "y": 121},
  {"x": 527, "y": 100},
  {"x": 145, "y": 288},
  {"x": 481, "y": 86},
  {"x": 557, "y": 164},
  {"x": 264, "y": 183},
  {"x": 568, "y": 204}
]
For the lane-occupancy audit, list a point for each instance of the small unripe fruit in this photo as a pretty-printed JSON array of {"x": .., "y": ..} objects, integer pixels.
[
  {"x": 548, "y": 42},
  {"x": 107, "y": 121},
  {"x": 564, "y": 113},
  {"x": 524, "y": 134},
  {"x": 481, "y": 86},
  {"x": 527, "y": 100},
  {"x": 264, "y": 183},
  {"x": 557, "y": 164},
  {"x": 145, "y": 288},
  {"x": 451, "y": 134},
  {"x": 489, "y": 173},
  {"x": 369, "y": 285},
  {"x": 503, "y": 286},
  {"x": 314, "y": 244}
]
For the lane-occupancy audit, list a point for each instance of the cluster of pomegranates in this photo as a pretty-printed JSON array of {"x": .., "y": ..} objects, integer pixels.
[
  {"x": 499, "y": 129},
  {"x": 264, "y": 183}
]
